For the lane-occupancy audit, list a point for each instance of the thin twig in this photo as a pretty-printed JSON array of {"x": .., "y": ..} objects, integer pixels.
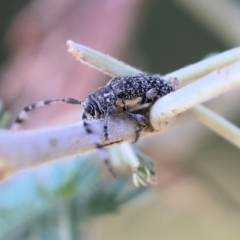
[
  {"x": 102, "y": 62},
  {"x": 218, "y": 124}
]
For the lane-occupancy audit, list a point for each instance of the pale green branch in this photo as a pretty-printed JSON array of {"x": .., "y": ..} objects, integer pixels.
[
  {"x": 218, "y": 124},
  {"x": 102, "y": 62}
]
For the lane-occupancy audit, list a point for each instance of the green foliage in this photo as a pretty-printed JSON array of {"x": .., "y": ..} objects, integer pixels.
[{"x": 53, "y": 200}]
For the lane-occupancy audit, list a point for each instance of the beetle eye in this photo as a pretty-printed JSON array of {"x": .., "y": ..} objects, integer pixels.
[{"x": 89, "y": 109}]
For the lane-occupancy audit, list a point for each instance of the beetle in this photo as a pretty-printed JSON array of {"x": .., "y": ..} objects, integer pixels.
[{"x": 122, "y": 93}]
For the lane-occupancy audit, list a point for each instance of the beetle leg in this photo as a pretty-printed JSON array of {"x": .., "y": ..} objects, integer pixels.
[
  {"x": 110, "y": 111},
  {"x": 140, "y": 119}
]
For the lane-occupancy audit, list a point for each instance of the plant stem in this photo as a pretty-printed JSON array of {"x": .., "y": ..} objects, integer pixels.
[
  {"x": 218, "y": 124},
  {"x": 102, "y": 62},
  {"x": 26, "y": 148}
]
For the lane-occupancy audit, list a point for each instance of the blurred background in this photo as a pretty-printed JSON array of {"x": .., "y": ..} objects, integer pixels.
[{"x": 198, "y": 193}]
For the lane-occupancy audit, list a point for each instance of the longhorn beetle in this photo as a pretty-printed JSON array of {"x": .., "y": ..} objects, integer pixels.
[{"x": 119, "y": 93}]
